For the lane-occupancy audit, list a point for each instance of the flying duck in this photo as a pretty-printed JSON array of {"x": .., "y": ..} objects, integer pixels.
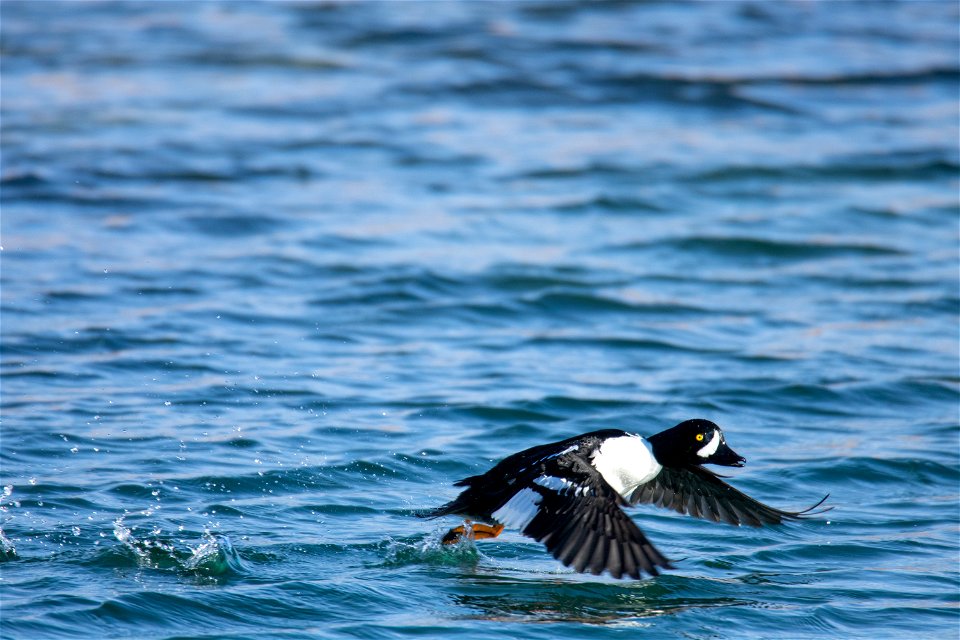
[{"x": 569, "y": 495}]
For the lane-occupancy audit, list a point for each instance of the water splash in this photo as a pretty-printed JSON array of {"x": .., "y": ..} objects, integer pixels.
[
  {"x": 154, "y": 554},
  {"x": 7, "y": 550},
  {"x": 214, "y": 557},
  {"x": 430, "y": 551}
]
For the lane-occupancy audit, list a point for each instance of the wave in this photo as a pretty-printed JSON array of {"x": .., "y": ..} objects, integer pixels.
[{"x": 214, "y": 556}]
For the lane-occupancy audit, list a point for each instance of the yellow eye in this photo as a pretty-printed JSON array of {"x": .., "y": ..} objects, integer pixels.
[{"x": 699, "y": 437}]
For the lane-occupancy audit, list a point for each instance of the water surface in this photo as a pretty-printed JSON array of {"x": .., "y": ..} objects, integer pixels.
[{"x": 275, "y": 275}]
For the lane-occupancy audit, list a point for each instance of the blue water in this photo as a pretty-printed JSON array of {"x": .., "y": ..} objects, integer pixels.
[{"x": 275, "y": 275}]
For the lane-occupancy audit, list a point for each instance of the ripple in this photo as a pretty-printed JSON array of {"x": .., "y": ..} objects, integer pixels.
[
  {"x": 234, "y": 225},
  {"x": 782, "y": 249},
  {"x": 276, "y": 275},
  {"x": 873, "y": 471}
]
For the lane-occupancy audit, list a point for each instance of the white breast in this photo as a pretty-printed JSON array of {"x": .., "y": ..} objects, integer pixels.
[{"x": 625, "y": 463}]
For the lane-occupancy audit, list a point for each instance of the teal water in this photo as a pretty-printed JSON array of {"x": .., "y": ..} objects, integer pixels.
[{"x": 275, "y": 275}]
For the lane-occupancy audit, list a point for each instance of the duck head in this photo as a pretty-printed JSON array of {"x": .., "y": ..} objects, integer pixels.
[{"x": 694, "y": 442}]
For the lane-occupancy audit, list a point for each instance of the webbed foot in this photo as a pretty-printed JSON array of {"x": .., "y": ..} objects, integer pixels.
[{"x": 472, "y": 531}]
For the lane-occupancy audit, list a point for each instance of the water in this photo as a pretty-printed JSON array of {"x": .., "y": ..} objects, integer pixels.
[{"x": 274, "y": 276}]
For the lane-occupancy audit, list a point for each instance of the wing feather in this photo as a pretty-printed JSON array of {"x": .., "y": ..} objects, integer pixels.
[
  {"x": 699, "y": 492},
  {"x": 586, "y": 528},
  {"x": 598, "y": 559},
  {"x": 582, "y": 557},
  {"x": 629, "y": 564}
]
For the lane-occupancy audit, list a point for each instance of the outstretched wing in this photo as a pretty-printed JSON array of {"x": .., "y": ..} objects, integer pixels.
[
  {"x": 578, "y": 518},
  {"x": 592, "y": 533},
  {"x": 699, "y": 492}
]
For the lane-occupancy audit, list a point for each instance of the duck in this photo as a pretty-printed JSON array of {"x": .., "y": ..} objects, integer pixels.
[{"x": 569, "y": 495}]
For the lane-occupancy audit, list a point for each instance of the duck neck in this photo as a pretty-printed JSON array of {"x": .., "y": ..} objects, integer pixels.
[{"x": 665, "y": 454}]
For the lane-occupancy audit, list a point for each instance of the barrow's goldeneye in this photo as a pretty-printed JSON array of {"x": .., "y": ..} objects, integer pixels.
[{"x": 568, "y": 495}]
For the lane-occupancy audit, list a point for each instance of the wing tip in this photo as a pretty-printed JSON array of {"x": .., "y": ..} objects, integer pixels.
[
  {"x": 615, "y": 557},
  {"x": 804, "y": 514},
  {"x": 811, "y": 511}
]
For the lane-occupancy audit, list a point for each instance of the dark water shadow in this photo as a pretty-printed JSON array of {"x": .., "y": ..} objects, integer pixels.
[{"x": 559, "y": 600}]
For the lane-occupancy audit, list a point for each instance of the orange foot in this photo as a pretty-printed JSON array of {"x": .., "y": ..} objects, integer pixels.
[{"x": 472, "y": 531}]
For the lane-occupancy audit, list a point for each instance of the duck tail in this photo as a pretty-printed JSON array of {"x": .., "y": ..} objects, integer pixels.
[{"x": 443, "y": 510}]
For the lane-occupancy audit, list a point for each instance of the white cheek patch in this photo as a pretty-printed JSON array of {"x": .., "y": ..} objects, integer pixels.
[
  {"x": 711, "y": 447},
  {"x": 519, "y": 510}
]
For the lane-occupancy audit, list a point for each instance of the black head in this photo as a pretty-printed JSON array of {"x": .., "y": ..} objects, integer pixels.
[{"x": 694, "y": 442}]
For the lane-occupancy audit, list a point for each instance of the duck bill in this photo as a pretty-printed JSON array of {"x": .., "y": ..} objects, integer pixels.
[{"x": 727, "y": 457}]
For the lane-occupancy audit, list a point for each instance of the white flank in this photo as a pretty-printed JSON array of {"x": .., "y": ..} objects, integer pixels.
[
  {"x": 625, "y": 463},
  {"x": 518, "y": 510},
  {"x": 710, "y": 448}
]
